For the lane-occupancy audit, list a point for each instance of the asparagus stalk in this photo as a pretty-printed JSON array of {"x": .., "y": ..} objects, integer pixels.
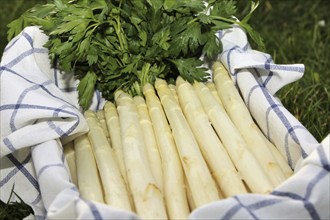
[
  {"x": 147, "y": 197},
  {"x": 173, "y": 91},
  {"x": 112, "y": 120},
  {"x": 89, "y": 183},
  {"x": 69, "y": 154},
  {"x": 286, "y": 169},
  {"x": 174, "y": 185},
  {"x": 191, "y": 202},
  {"x": 115, "y": 191},
  {"x": 101, "y": 117},
  {"x": 199, "y": 178},
  {"x": 246, "y": 164},
  {"x": 216, "y": 156},
  {"x": 150, "y": 141},
  {"x": 214, "y": 91},
  {"x": 241, "y": 117}
]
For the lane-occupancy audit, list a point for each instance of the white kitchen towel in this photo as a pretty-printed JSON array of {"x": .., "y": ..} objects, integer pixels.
[{"x": 39, "y": 108}]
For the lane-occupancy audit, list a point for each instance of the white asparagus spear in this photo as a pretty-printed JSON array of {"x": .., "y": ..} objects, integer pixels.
[
  {"x": 215, "y": 155},
  {"x": 282, "y": 162},
  {"x": 148, "y": 199},
  {"x": 101, "y": 117},
  {"x": 247, "y": 165},
  {"x": 214, "y": 91},
  {"x": 69, "y": 154},
  {"x": 191, "y": 203},
  {"x": 174, "y": 185},
  {"x": 241, "y": 117},
  {"x": 154, "y": 158},
  {"x": 286, "y": 169},
  {"x": 89, "y": 183},
  {"x": 173, "y": 90},
  {"x": 112, "y": 120},
  {"x": 114, "y": 187},
  {"x": 199, "y": 178}
]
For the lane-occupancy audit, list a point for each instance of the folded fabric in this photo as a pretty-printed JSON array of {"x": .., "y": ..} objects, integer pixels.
[{"x": 39, "y": 111}]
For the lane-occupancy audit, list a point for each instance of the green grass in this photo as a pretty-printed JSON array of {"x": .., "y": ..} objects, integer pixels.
[
  {"x": 293, "y": 33},
  {"x": 10, "y": 10},
  {"x": 298, "y": 31}
]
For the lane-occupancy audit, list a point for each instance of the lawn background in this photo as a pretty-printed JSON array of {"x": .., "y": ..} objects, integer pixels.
[{"x": 294, "y": 31}]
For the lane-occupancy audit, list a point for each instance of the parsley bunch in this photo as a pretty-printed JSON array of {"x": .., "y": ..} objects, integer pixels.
[{"x": 123, "y": 44}]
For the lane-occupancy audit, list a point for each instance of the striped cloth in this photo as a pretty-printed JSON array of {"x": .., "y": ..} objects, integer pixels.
[{"x": 39, "y": 112}]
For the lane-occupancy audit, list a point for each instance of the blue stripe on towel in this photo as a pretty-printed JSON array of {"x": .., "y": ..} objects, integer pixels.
[{"x": 20, "y": 166}]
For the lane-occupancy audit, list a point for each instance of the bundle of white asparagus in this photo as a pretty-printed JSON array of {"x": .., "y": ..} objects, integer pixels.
[{"x": 175, "y": 149}]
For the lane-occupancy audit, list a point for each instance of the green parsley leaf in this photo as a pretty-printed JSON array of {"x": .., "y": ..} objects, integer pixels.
[
  {"x": 119, "y": 44},
  {"x": 225, "y": 8},
  {"x": 86, "y": 89},
  {"x": 191, "y": 69}
]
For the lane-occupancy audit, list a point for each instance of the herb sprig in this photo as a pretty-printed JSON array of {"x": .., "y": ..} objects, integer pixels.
[{"x": 123, "y": 44}]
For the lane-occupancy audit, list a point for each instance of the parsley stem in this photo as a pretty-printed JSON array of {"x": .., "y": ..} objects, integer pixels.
[
  {"x": 121, "y": 36},
  {"x": 144, "y": 73},
  {"x": 192, "y": 20},
  {"x": 231, "y": 21}
]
